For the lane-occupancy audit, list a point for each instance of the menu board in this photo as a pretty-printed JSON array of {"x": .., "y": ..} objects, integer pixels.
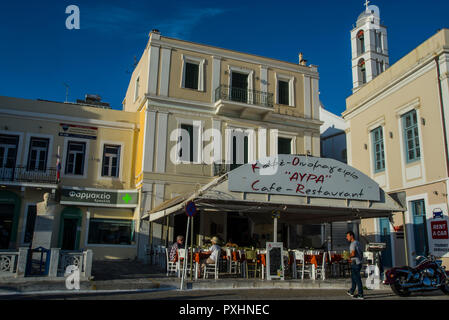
[{"x": 275, "y": 261}]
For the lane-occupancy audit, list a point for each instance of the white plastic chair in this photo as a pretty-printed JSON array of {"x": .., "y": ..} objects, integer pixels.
[
  {"x": 300, "y": 262},
  {"x": 233, "y": 266},
  {"x": 212, "y": 268},
  {"x": 321, "y": 269},
  {"x": 172, "y": 267}
]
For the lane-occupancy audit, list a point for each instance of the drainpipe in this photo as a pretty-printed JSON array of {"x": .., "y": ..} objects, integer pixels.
[{"x": 440, "y": 90}]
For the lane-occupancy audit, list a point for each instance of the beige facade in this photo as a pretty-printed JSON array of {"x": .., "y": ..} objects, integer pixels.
[
  {"x": 397, "y": 124},
  {"x": 31, "y": 134},
  {"x": 166, "y": 102}
]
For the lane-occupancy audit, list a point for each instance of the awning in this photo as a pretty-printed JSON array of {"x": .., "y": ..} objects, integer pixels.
[{"x": 293, "y": 209}]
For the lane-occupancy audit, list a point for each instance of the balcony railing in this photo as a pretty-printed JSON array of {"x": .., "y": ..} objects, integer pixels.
[
  {"x": 253, "y": 97},
  {"x": 22, "y": 174}
]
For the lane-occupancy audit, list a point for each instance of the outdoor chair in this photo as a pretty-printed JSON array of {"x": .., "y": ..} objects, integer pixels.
[
  {"x": 172, "y": 267},
  {"x": 320, "y": 270},
  {"x": 233, "y": 261},
  {"x": 212, "y": 268},
  {"x": 180, "y": 263},
  {"x": 251, "y": 261},
  {"x": 300, "y": 261}
]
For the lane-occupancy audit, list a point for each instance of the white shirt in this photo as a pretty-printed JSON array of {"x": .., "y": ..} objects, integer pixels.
[{"x": 215, "y": 249}]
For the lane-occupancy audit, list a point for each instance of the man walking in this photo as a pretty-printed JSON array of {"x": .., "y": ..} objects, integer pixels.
[{"x": 356, "y": 256}]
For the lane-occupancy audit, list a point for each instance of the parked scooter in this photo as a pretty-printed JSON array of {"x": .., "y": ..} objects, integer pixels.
[{"x": 427, "y": 275}]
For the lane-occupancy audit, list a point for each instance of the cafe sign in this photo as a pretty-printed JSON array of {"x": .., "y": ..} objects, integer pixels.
[
  {"x": 100, "y": 198},
  {"x": 303, "y": 176}
]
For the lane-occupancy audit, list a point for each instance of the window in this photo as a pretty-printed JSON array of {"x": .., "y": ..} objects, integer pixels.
[
  {"x": 111, "y": 231},
  {"x": 378, "y": 149},
  {"x": 360, "y": 42},
  {"x": 239, "y": 87},
  {"x": 378, "y": 40},
  {"x": 76, "y": 152},
  {"x": 284, "y": 146},
  {"x": 111, "y": 161},
  {"x": 136, "y": 92},
  {"x": 411, "y": 136},
  {"x": 186, "y": 138},
  {"x": 191, "y": 76},
  {"x": 362, "y": 71},
  {"x": 29, "y": 227},
  {"x": 37, "y": 156},
  {"x": 8, "y": 151},
  {"x": 284, "y": 95},
  {"x": 237, "y": 158}
]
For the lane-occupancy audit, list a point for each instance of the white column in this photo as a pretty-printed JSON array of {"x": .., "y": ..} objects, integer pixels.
[
  {"x": 165, "y": 71},
  {"x": 153, "y": 69},
  {"x": 148, "y": 141},
  {"x": 315, "y": 99},
  {"x": 262, "y": 142},
  {"x": 273, "y": 142},
  {"x": 307, "y": 142},
  {"x": 161, "y": 150},
  {"x": 307, "y": 98},
  {"x": 216, "y": 72},
  {"x": 218, "y": 141}
]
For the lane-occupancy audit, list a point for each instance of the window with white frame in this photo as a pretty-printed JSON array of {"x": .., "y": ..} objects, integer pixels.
[
  {"x": 192, "y": 73},
  {"x": 188, "y": 143},
  {"x": 76, "y": 153},
  {"x": 285, "y": 90},
  {"x": 378, "y": 149},
  {"x": 411, "y": 136},
  {"x": 111, "y": 161},
  {"x": 37, "y": 155}
]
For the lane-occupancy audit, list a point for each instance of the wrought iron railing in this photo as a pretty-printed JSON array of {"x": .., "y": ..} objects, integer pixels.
[
  {"x": 253, "y": 97},
  {"x": 23, "y": 174}
]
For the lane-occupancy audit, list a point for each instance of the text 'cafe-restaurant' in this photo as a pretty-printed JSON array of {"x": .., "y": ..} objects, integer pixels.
[{"x": 304, "y": 190}]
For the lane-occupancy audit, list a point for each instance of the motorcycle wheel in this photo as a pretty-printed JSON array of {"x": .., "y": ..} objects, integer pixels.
[
  {"x": 445, "y": 287},
  {"x": 398, "y": 290}
]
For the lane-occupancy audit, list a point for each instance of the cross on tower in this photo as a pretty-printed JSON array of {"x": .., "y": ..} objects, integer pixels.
[{"x": 366, "y": 4}]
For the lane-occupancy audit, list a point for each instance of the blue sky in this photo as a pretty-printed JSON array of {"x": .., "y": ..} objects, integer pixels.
[{"x": 38, "y": 54}]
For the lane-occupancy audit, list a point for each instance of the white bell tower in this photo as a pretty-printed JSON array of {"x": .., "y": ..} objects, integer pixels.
[{"x": 369, "y": 47}]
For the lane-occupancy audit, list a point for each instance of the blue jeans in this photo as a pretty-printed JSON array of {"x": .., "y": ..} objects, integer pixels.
[{"x": 356, "y": 278}]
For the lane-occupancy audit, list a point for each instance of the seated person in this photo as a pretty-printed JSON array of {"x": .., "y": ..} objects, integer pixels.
[
  {"x": 214, "y": 251},
  {"x": 231, "y": 244},
  {"x": 179, "y": 244}
]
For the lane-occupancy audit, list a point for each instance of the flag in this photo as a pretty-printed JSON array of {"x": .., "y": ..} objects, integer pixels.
[{"x": 58, "y": 167}]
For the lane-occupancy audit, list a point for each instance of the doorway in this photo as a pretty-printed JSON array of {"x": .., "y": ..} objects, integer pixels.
[
  {"x": 239, "y": 87},
  {"x": 6, "y": 224},
  {"x": 70, "y": 229},
  {"x": 419, "y": 228},
  {"x": 238, "y": 229},
  {"x": 385, "y": 236}
]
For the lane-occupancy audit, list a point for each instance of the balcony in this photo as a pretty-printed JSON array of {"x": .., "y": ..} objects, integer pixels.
[
  {"x": 21, "y": 175},
  {"x": 242, "y": 102}
]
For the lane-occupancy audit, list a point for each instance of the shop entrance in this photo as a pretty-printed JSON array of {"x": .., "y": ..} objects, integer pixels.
[
  {"x": 69, "y": 231},
  {"x": 6, "y": 223},
  {"x": 238, "y": 229}
]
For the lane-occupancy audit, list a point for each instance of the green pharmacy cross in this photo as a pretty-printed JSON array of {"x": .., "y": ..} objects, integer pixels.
[{"x": 127, "y": 198}]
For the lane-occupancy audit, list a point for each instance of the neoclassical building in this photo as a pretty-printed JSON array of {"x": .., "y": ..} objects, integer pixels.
[
  {"x": 397, "y": 134},
  {"x": 236, "y": 107}
]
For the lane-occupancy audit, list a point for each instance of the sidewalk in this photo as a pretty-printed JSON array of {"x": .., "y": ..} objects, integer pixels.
[{"x": 127, "y": 275}]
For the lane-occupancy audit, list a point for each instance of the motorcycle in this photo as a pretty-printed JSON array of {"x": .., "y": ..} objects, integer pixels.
[{"x": 428, "y": 274}]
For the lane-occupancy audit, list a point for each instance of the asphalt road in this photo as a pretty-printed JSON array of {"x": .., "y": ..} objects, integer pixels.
[{"x": 231, "y": 294}]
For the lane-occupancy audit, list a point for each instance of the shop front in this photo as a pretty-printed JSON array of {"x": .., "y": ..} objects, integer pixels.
[
  {"x": 271, "y": 197},
  {"x": 99, "y": 219}
]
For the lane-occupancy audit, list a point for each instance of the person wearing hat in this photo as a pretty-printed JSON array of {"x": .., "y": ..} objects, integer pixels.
[{"x": 214, "y": 251}]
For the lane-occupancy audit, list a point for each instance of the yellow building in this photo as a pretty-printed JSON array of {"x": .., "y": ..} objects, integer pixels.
[
  {"x": 252, "y": 106},
  {"x": 397, "y": 134},
  {"x": 94, "y": 206}
]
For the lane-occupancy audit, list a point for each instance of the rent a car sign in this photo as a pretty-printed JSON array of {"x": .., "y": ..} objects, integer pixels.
[{"x": 303, "y": 176}]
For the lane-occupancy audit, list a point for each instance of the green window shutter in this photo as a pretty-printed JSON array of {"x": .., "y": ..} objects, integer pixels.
[
  {"x": 378, "y": 149},
  {"x": 411, "y": 136}
]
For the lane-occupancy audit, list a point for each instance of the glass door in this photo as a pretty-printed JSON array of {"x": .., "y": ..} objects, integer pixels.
[{"x": 384, "y": 227}]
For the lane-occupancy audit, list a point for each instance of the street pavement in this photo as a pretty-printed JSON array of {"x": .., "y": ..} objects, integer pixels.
[{"x": 226, "y": 294}]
